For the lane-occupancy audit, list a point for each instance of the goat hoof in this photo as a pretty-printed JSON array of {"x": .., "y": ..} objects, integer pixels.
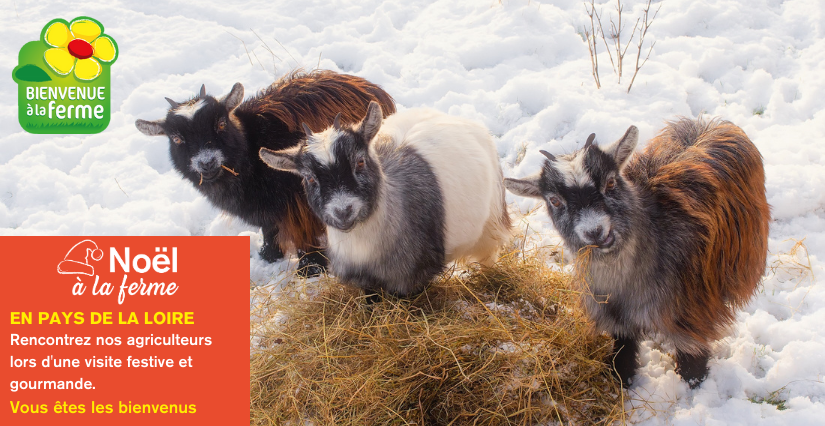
[
  {"x": 311, "y": 264},
  {"x": 624, "y": 359},
  {"x": 372, "y": 297},
  {"x": 693, "y": 368},
  {"x": 271, "y": 253}
]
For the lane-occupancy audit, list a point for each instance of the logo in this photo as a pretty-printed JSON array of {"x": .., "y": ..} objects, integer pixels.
[
  {"x": 64, "y": 79},
  {"x": 76, "y": 260}
]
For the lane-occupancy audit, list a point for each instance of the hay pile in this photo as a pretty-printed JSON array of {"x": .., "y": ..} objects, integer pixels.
[{"x": 504, "y": 345}]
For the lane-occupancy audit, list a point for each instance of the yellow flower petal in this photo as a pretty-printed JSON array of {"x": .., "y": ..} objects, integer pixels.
[
  {"x": 60, "y": 60},
  {"x": 85, "y": 29},
  {"x": 104, "y": 49},
  {"x": 87, "y": 69},
  {"x": 58, "y": 35}
]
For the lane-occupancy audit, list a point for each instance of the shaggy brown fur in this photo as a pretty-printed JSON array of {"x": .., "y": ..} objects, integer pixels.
[
  {"x": 712, "y": 175},
  {"x": 300, "y": 226},
  {"x": 316, "y": 97}
]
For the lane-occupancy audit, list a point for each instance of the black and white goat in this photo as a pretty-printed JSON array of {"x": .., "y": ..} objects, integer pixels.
[
  {"x": 678, "y": 234},
  {"x": 402, "y": 198},
  {"x": 214, "y": 143}
]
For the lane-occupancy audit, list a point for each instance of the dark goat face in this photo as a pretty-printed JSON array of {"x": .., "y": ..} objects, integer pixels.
[
  {"x": 204, "y": 138},
  {"x": 587, "y": 197},
  {"x": 341, "y": 175}
]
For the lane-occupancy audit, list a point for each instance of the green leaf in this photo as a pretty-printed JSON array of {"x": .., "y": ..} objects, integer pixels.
[{"x": 31, "y": 73}]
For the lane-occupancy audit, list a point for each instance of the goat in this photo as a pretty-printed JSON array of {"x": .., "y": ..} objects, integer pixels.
[
  {"x": 214, "y": 144},
  {"x": 678, "y": 235},
  {"x": 397, "y": 205}
]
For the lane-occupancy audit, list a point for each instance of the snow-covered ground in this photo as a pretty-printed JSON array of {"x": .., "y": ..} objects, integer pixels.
[{"x": 522, "y": 68}]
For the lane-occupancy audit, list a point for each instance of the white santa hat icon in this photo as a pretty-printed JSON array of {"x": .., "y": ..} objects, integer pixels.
[{"x": 77, "y": 259}]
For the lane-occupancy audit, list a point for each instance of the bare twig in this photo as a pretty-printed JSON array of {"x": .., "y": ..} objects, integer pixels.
[
  {"x": 121, "y": 188},
  {"x": 244, "y": 47},
  {"x": 642, "y": 32},
  {"x": 591, "y": 42},
  {"x": 266, "y": 46},
  {"x": 268, "y": 49},
  {"x": 616, "y": 44},
  {"x": 259, "y": 60},
  {"x": 229, "y": 170},
  {"x": 604, "y": 39},
  {"x": 616, "y": 35},
  {"x": 287, "y": 52},
  {"x": 617, "y": 38}
]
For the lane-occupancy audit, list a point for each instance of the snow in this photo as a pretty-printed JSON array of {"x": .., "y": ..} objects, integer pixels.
[{"x": 522, "y": 68}]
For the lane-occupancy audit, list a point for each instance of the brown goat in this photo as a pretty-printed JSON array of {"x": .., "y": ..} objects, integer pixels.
[{"x": 677, "y": 235}]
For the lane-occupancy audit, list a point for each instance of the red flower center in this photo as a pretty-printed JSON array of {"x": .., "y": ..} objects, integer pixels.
[{"x": 80, "y": 49}]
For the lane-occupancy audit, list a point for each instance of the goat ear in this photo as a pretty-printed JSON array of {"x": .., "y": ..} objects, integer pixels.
[
  {"x": 372, "y": 122},
  {"x": 527, "y": 187},
  {"x": 307, "y": 130},
  {"x": 590, "y": 141},
  {"x": 285, "y": 160},
  {"x": 336, "y": 124},
  {"x": 234, "y": 97},
  {"x": 622, "y": 148},
  {"x": 150, "y": 128}
]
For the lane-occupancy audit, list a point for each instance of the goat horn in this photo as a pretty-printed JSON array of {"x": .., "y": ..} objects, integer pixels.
[
  {"x": 337, "y": 122},
  {"x": 548, "y": 155},
  {"x": 171, "y": 102},
  {"x": 590, "y": 140},
  {"x": 203, "y": 91}
]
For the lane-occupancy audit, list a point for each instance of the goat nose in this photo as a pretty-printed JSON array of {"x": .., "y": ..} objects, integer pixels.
[
  {"x": 211, "y": 163},
  {"x": 594, "y": 236},
  {"x": 343, "y": 213}
]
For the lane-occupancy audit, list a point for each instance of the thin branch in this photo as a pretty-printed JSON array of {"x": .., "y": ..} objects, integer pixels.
[
  {"x": 632, "y": 33},
  {"x": 244, "y": 47},
  {"x": 617, "y": 38},
  {"x": 121, "y": 188},
  {"x": 591, "y": 43},
  {"x": 259, "y": 60},
  {"x": 287, "y": 52},
  {"x": 606, "y": 46},
  {"x": 274, "y": 56},
  {"x": 642, "y": 32},
  {"x": 266, "y": 46}
]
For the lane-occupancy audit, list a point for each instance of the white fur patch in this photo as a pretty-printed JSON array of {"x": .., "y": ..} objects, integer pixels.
[
  {"x": 320, "y": 145},
  {"x": 204, "y": 156},
  {"x": 464, "y": 158},
  {"x": 573, "y": 170},
  {"x": 589, "y": 221},
  {"x": 189, "y": 110},
  {"x": 342, "y": 200}
]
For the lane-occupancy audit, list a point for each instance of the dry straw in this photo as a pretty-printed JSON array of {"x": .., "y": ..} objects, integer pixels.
[{"x": 490, "y": 346}]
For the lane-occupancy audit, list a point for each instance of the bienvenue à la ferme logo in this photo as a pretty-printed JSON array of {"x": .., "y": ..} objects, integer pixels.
[{"x": 64, "y": 79}]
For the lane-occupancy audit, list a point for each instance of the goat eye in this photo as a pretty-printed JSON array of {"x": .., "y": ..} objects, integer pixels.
[
  {"x": 555, "y": 201},
  {"x": 177, "y": 139},
  {"x": 310, "y": 180},
  {"x": 359, "y": 166},
  {"x": 611, "y": 183},
  {"x": 222, "y": 124}
]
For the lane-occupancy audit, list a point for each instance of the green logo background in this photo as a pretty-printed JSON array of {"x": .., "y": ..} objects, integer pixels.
[{"x": 33, "y": 71}]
